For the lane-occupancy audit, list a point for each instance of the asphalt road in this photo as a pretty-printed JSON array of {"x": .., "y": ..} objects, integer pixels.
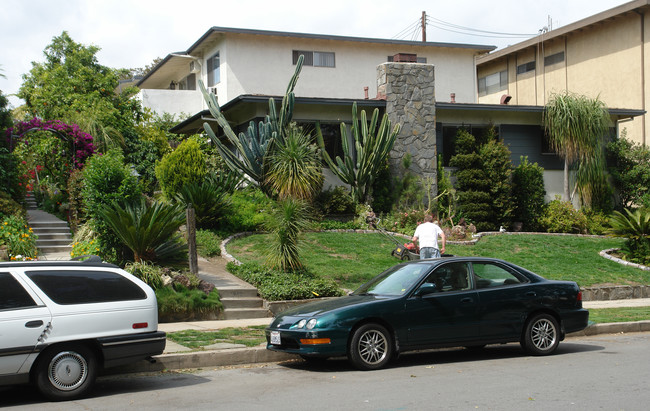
[{"x": 608, "y": 372}]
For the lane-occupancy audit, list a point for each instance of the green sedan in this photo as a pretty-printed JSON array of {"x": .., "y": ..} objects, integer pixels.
[{"x": 445, "y": 302}]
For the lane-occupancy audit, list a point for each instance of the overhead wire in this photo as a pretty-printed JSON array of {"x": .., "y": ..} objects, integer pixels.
[{"x": 413, "y": 30}]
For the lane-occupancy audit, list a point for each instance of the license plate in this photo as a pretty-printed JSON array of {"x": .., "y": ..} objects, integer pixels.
[{"x": 275, "y": 338}]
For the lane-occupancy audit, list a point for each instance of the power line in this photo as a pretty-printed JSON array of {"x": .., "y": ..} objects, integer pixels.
[{"x": 413, "y": 30}]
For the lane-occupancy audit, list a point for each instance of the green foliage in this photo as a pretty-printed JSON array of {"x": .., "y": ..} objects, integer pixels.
[
  {"x": 294, "y": 166},
  {"x": 576, "y": 126},
  {"x": 208, "y": 243},
  {"x": 495, "y": 157},
  {"x": 18, "y": 237},
  {"x": 149, "y": 231},
  {"x": 149, "y": 273},
  {"x": 335, "y": 201},
  {"x": 630, "y": 171},
  {"x": 446, "y": 198},
  {"x": 107, "y": 179},
  {"x": 597, "y": 221},
  {"x": 560, "y": 217},
  {"x": 183, "y": 166},
  {"x": 337, "y": 225},
  {"x": 210, "y": 198},
  {"x": 85, "y": 247},
  {"x": 250, "y": 152},
  {"x": 249, "y": 210},
  {"x": 76, "y": 208},
  {"x": 403, "y": 221},
  {"x": 10, "y": 181},
  {"x": 472, "y": 182},
  {"x": 9, "y": 207},
  {"x": 528, "y": 193},
  {"x": 180, "y": 302},
  {"x": 5, "y": 117},
  {"x": 289, "y": 219},
  {"x": 276, "y": 285},
  {"x": 383, "y": 193},
  {"x": 636, "y": 227},
  {"x": 362, "y": 161}
]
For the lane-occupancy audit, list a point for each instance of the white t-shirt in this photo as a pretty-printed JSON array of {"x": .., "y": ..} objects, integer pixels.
[{"x": 427, "y": 234}]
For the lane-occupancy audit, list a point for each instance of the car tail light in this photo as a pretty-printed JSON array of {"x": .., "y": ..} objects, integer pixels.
[
  {"x": 579, "y": 297},
  {"x": 140, "y": 325}
]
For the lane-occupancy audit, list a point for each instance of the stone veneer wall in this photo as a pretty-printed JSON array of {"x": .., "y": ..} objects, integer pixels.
[{"x": 409, "y": 92}]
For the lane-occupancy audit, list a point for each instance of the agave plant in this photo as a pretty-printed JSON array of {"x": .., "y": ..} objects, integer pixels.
[
  {"x": 635, "y": 226},
  {"x": 151, "y": 232},
  {"x": 251, "y": 148},
  {"x": 361, "y": 162},
  {"x": 209, "y": 198}
]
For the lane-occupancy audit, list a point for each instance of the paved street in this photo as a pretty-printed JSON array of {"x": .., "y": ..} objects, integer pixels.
[{"x": 607, "y": 372}]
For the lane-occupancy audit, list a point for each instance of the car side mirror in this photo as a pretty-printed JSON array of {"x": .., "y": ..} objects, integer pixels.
[{"x": 426, "y": 288}]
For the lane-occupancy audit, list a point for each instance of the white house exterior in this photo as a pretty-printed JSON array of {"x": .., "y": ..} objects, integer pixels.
[{"x": 234, "y": 62}]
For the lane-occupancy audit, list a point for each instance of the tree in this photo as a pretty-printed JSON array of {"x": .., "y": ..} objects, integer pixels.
[
  {"x": 576, "y": 126},
  {"x": 70, "y": 85}
]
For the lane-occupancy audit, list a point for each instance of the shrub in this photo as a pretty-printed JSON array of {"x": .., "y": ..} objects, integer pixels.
[
  {"x": 76, "y": 208},
  {"x": 8, "y": 206},
  {"x": 335, "y": 201},
  {"x": 383, "y": 193},
  {"x": 289, "y": 219},
  {"x": 276, "y": 285},
  {"x": 495, "y": 157},
  {"x": 560, "y": 217},
  {"x": 208, "y": 243},
  {"x": 248, "y": 211},
  {"x": 85, "y": 247},
  {"x": 597, "y": 221},
  {"x": 528, "y": 193},
  {"x": 18, "y": 237},
  {"x": 180, "y": 302},
  {"x": 149, "y": 273},
  {"x": 636, "y": 227},
  {"x": 209, "y": 198},
  {"x": 183, "y": 166},
  {"x": 10, "y": 182},
  {"x": 107, "y": 179},
  {"x": 338, "y": 225},
  {"x": 630, "y": 171}
]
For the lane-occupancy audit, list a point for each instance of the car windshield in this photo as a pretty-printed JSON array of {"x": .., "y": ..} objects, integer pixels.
[{"x": 395, "y": 281}]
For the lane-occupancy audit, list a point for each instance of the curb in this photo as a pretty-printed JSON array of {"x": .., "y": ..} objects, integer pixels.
[{"x": 255, "y": 355}]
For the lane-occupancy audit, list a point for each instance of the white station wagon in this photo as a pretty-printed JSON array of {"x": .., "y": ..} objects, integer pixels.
[{"x": 63, "y": 321}]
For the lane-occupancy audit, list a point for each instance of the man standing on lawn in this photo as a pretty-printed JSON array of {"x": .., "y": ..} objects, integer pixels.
[{"x": 426, "y": 234}]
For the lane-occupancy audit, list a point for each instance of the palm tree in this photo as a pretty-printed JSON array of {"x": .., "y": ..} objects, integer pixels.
[
  {"x": 290, "y": 218},
  {"x": 149, "y": 231},
  {"x": 576, "y": 126}
]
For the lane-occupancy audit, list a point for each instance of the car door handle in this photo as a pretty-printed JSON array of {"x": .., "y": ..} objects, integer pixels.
[
  {"x": 467, "y": 300},
  {"x": 34, "y": 324},
  {"x": 531, "y": 294}
]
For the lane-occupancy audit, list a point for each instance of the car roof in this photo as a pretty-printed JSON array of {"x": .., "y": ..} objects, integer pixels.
[{"x": 91, "y": 261}]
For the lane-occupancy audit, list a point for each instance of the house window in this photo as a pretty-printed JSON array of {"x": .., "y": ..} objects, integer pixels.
[
  {"x": 493, "y": 83},
  {"x": 526, "y": 67},
  {"x": 554, "y": 59},
  {"x": 315, "y": 58},
  {"x": 214, "y": 72},
  {"x": 188, "y": 83}
]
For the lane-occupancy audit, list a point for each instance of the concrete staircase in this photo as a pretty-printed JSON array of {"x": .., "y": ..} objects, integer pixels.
[
  {"x": 241, "y": 303},
  {"x": 53, "y": 234}
]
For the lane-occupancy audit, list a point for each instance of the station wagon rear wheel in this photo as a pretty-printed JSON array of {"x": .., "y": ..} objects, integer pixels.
[
  {"x": 66, "y": 372},
  {"x": 371, "y": 347},
  {"x": 542, "y": 335}
]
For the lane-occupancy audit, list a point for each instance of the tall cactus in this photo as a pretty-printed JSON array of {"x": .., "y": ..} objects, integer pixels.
[
  {"x": 361, "y": 163},
  {"x": 252, "y": 147}
]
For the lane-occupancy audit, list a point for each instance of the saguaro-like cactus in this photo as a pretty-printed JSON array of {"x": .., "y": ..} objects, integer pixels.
[
  {"x": 251, "y": 148},
  {"x": 361, "y": 163}
]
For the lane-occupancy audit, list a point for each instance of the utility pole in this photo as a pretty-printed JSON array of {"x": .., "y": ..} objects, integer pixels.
[{"x": 424, "y": 26}]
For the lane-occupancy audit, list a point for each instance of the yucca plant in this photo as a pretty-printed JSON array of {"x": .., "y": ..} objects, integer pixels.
[
  {"x": 635, "y": 226},
  {"x": 209, "y": 198},
  {"x": 289, "y": 219},
  {"x": 151, "y": 232},
  {"x": 295, "y": 167}
]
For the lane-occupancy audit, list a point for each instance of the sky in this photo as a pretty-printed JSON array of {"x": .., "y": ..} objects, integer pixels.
[{"x": 133, "y": 33}]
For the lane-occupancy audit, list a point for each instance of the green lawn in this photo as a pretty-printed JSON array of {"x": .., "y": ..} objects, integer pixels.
[{"x": 353, "y": 258}]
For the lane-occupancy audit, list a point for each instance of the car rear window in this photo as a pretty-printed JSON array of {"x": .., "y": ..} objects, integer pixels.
[
  {"x": 82, "y": 287},
  {"x": 12, "y": 294}
]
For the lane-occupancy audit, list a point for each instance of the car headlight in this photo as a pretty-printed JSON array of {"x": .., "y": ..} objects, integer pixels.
[
  {"x": 301, "y": 323},
  {"x": 311, "y": 323}
]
